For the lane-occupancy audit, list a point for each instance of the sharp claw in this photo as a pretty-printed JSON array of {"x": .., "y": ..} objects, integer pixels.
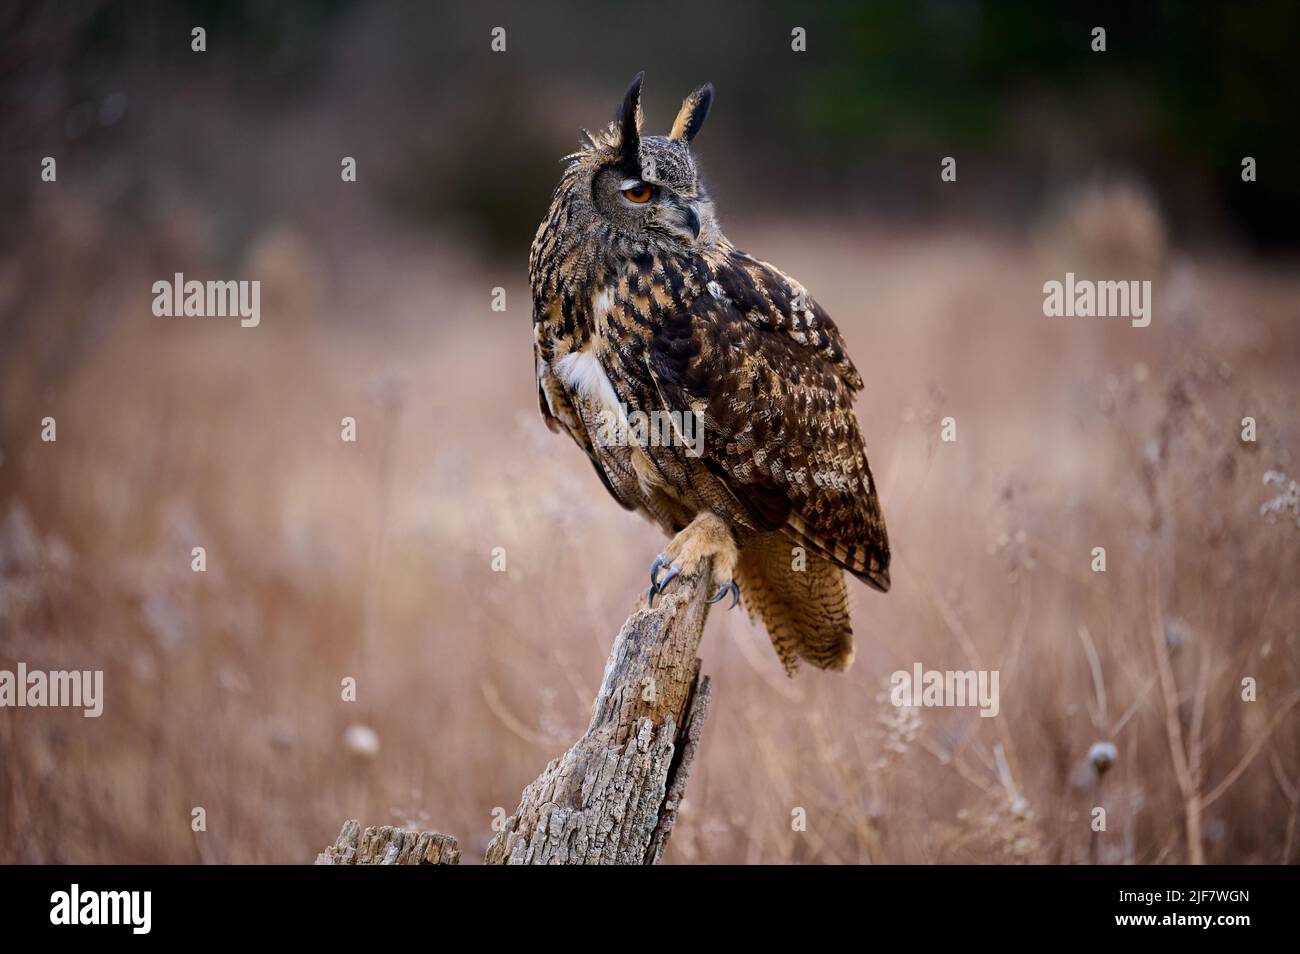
[
  {"x": 657, "y": 585},
  {"x": 729, "y": 586},
  {"x": 655, "y": 567},
  {"x": 670, "y": 576}
]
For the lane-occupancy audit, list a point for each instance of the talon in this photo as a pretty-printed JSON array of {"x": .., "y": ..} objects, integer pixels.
[
  {"x": 722, "y": 591},
  {"x": 669, "y": 576},
  {"x": 657, "y": 585},
  {"x": 655, "y": 567}
]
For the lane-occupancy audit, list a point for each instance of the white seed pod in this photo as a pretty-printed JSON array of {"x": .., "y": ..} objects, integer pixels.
[
  {"x": 361, "y": 741},
  {"x": 1102, "y": 755}
]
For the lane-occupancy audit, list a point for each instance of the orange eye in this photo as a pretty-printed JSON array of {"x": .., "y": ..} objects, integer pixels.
[{"x": 639, "y": 194}]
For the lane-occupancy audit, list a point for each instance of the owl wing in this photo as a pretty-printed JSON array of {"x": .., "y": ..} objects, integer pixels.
[
  {"x": 559, "y": 414},
  {"x": 765, "y": 369}
]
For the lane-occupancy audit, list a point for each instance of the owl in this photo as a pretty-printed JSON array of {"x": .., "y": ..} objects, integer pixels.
[{"x": 711, "y": 393}]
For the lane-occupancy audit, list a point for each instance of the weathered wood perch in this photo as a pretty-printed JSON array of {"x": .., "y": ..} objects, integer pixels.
[
  {"x": 613, "y": 797},
  {"x": 385, "y": 845}
]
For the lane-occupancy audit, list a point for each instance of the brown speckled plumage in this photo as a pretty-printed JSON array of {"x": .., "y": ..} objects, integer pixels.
[{"x": 650, "y": 308}]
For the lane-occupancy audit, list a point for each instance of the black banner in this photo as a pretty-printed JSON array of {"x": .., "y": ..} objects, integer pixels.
[{"x": 126, "y": 904}]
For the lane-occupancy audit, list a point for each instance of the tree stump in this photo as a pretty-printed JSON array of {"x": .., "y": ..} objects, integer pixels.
[
  {"x": 386, "y": 845},
  {"x": 613, "y": 797}
]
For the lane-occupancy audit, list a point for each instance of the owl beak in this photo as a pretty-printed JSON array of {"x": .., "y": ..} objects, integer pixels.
[
  {"x": 681, "y": 218},
  {"x": 693, "y": 221}
]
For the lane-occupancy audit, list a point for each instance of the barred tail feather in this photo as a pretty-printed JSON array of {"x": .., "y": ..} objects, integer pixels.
[{"x": 805, "y": 611}]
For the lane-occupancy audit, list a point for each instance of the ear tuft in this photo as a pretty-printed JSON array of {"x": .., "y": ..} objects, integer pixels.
[
  {"x": 629, "y": 117},
  {"x": 691, "y": 116}
]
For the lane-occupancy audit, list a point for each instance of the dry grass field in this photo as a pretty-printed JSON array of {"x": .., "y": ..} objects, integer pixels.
[{"x": 373, "y": 560}]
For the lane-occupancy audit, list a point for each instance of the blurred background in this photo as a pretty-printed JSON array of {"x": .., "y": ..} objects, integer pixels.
[{"x": 373, "y": 559}]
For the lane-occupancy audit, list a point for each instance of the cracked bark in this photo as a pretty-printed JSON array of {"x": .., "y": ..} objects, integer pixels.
[{"x": 384, "y": 845}]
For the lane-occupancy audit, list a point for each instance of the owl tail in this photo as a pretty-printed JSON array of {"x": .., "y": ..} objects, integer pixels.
[{"x": 801, "y": 599}]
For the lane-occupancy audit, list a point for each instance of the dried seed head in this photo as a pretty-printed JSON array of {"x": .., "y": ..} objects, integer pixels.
[
  {"x": 1102, "y": 755},
  {"x": 361, "y": 741},
  {"x": 1177, "y": 634}
]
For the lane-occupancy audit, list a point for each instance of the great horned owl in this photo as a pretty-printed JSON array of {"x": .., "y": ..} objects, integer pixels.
[{"x": 643, "y": 310}]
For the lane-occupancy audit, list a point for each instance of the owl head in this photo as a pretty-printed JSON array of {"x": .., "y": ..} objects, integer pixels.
[{"x": 647, "y": 187}]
